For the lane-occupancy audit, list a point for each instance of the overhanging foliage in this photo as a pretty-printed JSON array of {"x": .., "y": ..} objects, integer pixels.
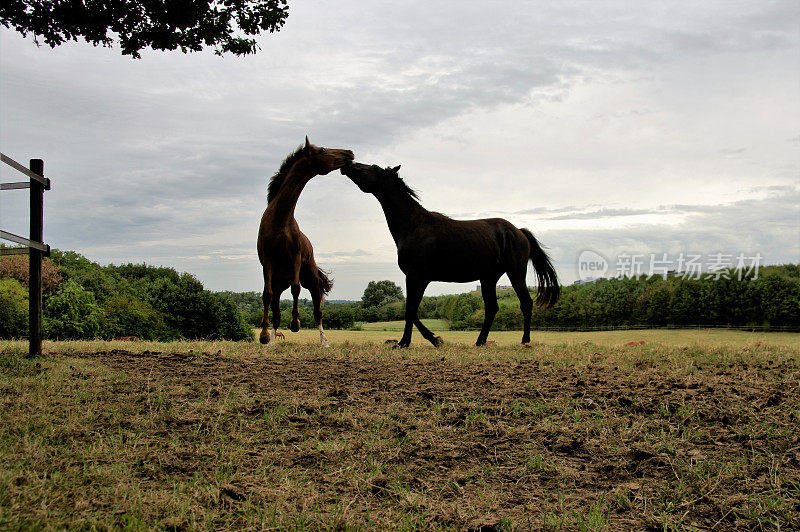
[{"x": 188, "y": 25}]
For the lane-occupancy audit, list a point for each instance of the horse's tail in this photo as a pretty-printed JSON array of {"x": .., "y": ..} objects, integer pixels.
[
  {"x": 548, "y": 290},
  {"x": 325, "y": 282}
]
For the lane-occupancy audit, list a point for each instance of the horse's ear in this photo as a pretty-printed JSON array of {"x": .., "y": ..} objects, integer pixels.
[
  {"x": 396, "y": 169},
  {"x": 308, "y": 144}
]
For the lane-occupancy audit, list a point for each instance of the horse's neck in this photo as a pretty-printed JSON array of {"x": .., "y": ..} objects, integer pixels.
[
  {"x": 402, "y": 213},
  {"x": 284, "y": 202}
]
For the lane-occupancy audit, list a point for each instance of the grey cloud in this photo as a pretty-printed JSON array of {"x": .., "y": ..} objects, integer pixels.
[
  {"x": 602, "y": 213},
  {"x": 777, "y": 190},
  {"x": 543, "y": 48},
  {"x": 550, "y": 210},
  {"x": 768, "y": 226},
  {"x": 343, "y": 254},
  {"x": 733, "y": 151},
  {"x": 779, "y": 195}
]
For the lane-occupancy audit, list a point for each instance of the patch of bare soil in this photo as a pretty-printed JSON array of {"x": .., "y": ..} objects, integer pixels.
[{"x": 484, "y": 445}]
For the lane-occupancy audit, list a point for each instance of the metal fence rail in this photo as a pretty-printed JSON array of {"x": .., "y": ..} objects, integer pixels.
[{"x": 34, "y": 245}]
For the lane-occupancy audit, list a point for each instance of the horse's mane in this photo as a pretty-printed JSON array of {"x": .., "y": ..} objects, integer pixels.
[
  {"x": 412, "y": 194},
  {"x": 277, "y": 180},
  {"x": 405, "y": 189}
]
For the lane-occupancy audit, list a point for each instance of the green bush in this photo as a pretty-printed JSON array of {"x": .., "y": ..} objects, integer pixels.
[
  {"x": 338, "y": 316},
  {"x": 13, "y": 309},
  {"x": 464, "y": 306},
  {"x": 781, "y": 299},
  {"x": 72, "y": 314},
  {"x": 508, "y": 318},
  {"x": 197, "y": 313},
  {"x": 229, "y": 323},
  {"x": 125, "y": 316},
  {"x": 393, "y": 311},
  {"x": 369, "y": 314}
]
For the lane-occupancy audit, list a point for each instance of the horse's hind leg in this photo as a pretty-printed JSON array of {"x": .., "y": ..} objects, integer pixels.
[
  {"x": 490, "y": 307},
  {"x": 266, "y": 299},
  {"x": 276, "y": 312},
  {"x": 294, "y": 326},
  {"x": 316, "y": 299},
  {"x": 525, "y": 302}
]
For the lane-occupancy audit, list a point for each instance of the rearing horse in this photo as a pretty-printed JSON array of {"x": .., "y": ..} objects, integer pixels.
[
  {"x": 433, "y": 247},
  {"x": 286, "y": 254}
]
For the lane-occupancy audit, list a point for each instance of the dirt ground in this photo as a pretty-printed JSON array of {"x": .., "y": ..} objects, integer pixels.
[{"x": 352, "y": 439}]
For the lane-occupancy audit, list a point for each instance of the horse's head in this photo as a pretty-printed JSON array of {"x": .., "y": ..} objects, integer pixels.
[
  {"x": 370, "y": 177},
  {"x": 325, "y": 160}
]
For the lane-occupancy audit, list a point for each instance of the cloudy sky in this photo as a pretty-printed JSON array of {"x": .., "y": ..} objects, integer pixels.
[{"x": 618, "y": 127}]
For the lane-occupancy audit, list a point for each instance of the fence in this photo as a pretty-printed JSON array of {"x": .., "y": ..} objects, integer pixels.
[{"x": 34, "y": 245}]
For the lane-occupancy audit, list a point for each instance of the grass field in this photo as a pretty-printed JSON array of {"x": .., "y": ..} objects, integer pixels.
[
  {"x": 692, "y": 430},
  {"x": 717, "y": 337},
  {"x": 432, "y": 324}
]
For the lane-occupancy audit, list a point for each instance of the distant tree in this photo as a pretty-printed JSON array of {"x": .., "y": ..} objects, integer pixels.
[
  {"x": 13, "y": 309},
  {"x": 72, "y": 314},
  {"x": 247, "y": 302},
  {"x": 688, "y": 306},
  {"x": 509, "y": 317},
  {"x": 18, "y": 267},
  {"x": 393, "y": 311},
  {"x": 380, "y": 293},
  {"x": 188, "y": 25},
  {"x": 464, "y": 306},
  {"x": 338, "y": 316},
  {"x": 90, "y": 275},
  {"x": 197, "y": 313},
  {"x": 780, "y": 299},
  {"x": 369, "y": 314},
  {"x": 125, "y": 316}
]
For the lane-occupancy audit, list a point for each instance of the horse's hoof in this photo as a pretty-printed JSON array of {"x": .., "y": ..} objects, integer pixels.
[
  {"x": 438, "y": 341},
  {"x": 400, "y": 345},
  {"x": 294, "y": 326},
  {"x": 263, "y": 339}
]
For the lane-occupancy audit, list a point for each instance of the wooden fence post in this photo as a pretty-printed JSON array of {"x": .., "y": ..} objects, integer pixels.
[{"x": 35, "y": 263}]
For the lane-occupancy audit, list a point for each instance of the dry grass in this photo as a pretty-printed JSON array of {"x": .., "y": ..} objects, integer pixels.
[
  {"x": 579, "y": 435},
  {"x": 456, "y": 339}
]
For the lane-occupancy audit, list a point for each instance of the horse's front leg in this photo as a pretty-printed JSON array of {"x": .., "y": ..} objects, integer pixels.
[
  {"x": 295, "y": 325},
  {"x": 490, "y": 307},
  {"x": 414, "y": 291}
]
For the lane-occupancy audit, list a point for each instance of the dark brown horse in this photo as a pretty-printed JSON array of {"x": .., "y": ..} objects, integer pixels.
[
  {"x": 433, "y": 247},
  {"x": 286, "y": 255}
]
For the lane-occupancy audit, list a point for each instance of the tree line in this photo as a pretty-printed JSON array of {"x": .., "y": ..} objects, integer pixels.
[
  {"x": 83, "y": 300},
  {"x": 770, "y": 299}
]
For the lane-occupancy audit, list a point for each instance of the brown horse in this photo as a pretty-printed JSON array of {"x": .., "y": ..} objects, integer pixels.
[{"x": 286, "y": 255}]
